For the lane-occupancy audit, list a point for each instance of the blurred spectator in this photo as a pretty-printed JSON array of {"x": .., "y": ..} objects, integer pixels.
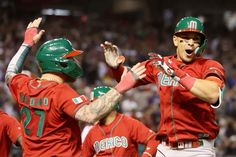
[{"x": 135, "y": 39}]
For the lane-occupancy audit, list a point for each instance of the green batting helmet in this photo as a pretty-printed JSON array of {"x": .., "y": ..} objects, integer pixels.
[
  {"x": 100, "y": 91},
  {"x": 192, "y": 24},
  {"x": 58, "y": 55}
]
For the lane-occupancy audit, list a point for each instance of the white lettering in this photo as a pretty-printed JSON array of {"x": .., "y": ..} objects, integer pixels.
[{"x": 109, "y": 143}]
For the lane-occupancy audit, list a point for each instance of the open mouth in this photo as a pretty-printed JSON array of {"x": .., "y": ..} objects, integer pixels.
[{"x": 189, "y": 51}]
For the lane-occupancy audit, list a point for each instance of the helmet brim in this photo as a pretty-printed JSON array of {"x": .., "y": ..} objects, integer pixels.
[
  {"x": 190, "y": 30},
  {"x": 73, "y": 53}
]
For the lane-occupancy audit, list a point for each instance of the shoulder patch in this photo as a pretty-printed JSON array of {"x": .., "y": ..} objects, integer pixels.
[{"x": 80, "y": 99}]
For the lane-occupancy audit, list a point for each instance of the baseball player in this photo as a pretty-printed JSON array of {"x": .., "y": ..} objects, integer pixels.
[
  {"x": 117, "y": 135},
  {"x": 49, "y": 107},
  {"x": 190, "y": 88},
  {"x": 10, "y": 132}
]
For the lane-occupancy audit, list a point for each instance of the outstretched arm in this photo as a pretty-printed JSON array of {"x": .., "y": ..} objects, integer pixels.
[
  {"x": 31, "y": 37},
  {"x": 114, "y": 59},
  {"x": 106, "y": 103}
]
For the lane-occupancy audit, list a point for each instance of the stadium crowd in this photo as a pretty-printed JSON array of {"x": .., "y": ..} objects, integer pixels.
[{"x": 136, "y": 39}]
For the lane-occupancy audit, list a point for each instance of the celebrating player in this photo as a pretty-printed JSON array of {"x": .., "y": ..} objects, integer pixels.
[
  {"x": 49, "y": 107},
  {"x": 190, "y": 88},
  {"x": 117, "y": 134},
  {"x": 10, "y": 132}
]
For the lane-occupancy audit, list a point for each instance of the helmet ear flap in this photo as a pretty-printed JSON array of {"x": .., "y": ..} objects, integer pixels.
[
  {"x": 199, "y": 51},
  {"x": 63, "y": 64}
]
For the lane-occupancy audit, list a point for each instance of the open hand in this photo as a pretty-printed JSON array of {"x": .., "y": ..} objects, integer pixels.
[
  {"x": 32, "y": 35},
  {"x": 112, "y": 55}
]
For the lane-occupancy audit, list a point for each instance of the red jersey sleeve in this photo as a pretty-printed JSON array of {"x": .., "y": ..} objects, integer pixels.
[
  {"x": 87, "y": 147},
  {"x": 149, "y": 73},
  {"x": 13, "y": 129},
  {"x": 143, "y": 135},
  {"x": 17, "y": 82},
  {"x": 12, "y": 126},
  {"x": 213, "y": 68},
  {"x": 69, "y": 100}
]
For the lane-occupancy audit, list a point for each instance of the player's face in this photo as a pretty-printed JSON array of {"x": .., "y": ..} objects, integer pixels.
[{"x": 185, "y": 44}]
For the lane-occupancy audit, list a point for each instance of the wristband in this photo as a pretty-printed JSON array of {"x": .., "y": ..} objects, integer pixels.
[
  {"x": 126, "y": 83},
  {"x": 186, "y": 81},
  {"x": 29, "y": 34}
]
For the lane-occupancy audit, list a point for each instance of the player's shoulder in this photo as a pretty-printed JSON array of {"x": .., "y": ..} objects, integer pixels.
[
  {"x": 5, "y": 118},
  {"x": 2, "y": 114},
  {"x": 64, "y": 90},
  {"x": 129, "y": 119},
  {"x": 94, "y": 127},
  {"x": 132, "y": 124},
  {"x": 93, "y": 132},
  {"x": 205, "y": 60},
  {"x": 20, "y": 77},
  {"x": 209, "y": 63},
  {"x": 64, "y": 87}
]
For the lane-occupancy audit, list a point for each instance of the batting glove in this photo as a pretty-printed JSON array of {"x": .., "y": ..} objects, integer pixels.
[
  {"x": 162, "y": 63},
  {"x": 171, "y": 69}
]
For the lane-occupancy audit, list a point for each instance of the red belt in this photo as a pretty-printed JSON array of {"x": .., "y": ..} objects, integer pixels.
[{"x": 183, "y": 144}]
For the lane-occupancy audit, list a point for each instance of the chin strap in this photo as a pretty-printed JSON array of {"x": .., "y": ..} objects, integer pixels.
[{"x": 199, "y": 51}]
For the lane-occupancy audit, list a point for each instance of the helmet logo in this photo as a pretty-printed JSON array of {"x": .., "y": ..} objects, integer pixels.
[
  {"x": 192, "y": 25},
  {"x": 101, "y": 93}
]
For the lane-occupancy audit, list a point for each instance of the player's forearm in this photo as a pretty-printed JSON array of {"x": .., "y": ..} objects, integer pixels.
[
  {"x": 151, "y": 147},
  {"x": 99, "y": 108},
  {"x": 206, "y": 90},
  {"x": 16, "y": 63}
]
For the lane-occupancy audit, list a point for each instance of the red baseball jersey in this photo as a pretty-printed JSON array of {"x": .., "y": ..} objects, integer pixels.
[
  {"x": 183, "y": 115},
  {"x": 10, "y": 131},
  {"x": 120, "y": 138},
  {"x": 47, "y": 115}
]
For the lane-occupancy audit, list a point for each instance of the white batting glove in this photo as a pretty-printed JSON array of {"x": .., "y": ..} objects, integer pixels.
[
  {"x": 163, "y": 64},
  {"x": 171, "y": 69},
  {"x": 112, "y": 55}
]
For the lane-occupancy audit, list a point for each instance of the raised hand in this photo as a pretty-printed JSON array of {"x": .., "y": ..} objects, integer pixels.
[
  {"x": 130, "y": 78},
  {"x": 32, "y": 35},
  {"x": 138, "y": 71},
  {"x": 112, "y": 55}
]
